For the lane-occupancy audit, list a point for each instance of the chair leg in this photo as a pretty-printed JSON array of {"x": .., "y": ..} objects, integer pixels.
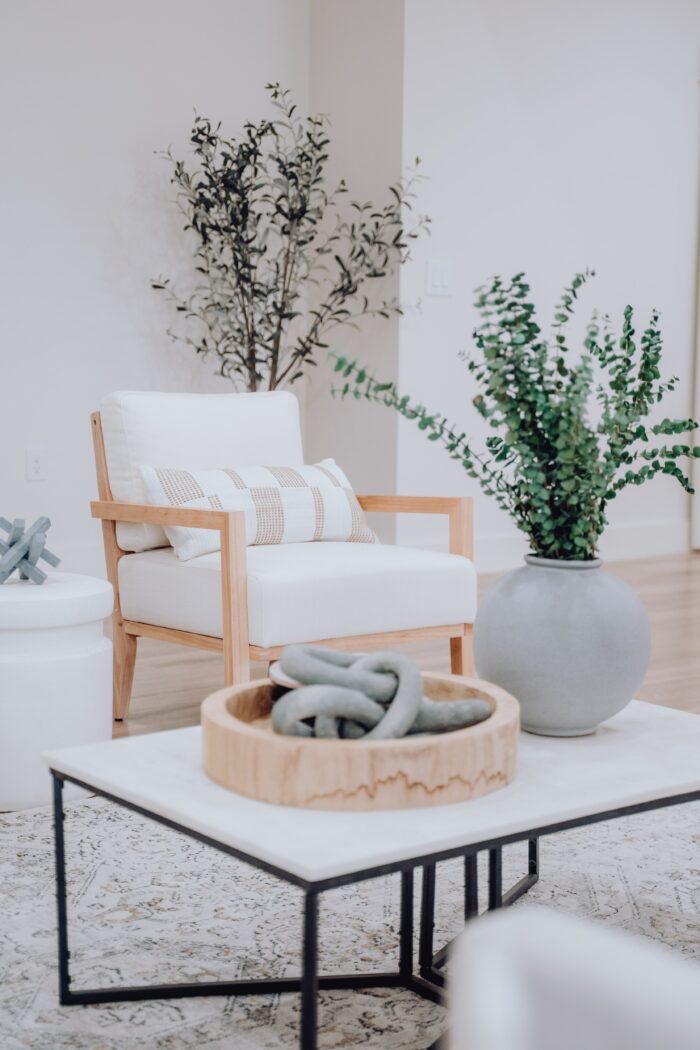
[
  {"x": 123, "y": 675},
  {"x": 234, "y": 596},
  {"x": 461, "y": 653},
  {"x": 236, "y": 659}
]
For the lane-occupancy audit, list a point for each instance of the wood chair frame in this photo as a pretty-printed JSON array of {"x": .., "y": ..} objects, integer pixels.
[{"x": 235, "y": 645}]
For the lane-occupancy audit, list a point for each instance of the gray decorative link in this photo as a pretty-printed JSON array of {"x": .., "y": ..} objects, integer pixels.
[
  {"x": 375, "y": 697},
  {"x": 23, "y": 548}
]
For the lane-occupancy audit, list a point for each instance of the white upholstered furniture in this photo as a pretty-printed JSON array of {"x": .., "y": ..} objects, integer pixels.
[
  {"x": 249, "y": 602},
  {"x": 534, "y": 979}
]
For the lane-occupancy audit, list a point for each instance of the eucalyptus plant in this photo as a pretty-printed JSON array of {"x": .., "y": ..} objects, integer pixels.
[
  {"x": 280, "y": 257},
  {"x": 570, "y": 432}
]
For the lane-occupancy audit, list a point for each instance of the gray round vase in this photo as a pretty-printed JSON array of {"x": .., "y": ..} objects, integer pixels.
[{"x": 568, "y": 640}]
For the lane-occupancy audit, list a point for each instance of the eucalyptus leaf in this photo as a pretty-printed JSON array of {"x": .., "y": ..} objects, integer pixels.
[{"x": 550, "y": 465}]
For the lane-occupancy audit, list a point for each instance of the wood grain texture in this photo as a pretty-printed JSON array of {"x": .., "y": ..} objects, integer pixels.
[
  {"x": 412, "y": 504},
  {"x": 124, "y": 658},
  {"x": 267, "y": 653},
  {"x": 147, "y": 514},
  {"x": 461, "y": 541},
  {"x": 169, "y": 634},
  {"x": 124, "y": 644},
  {"x": 462, "y": 652},
  {"x": 234, "y": 598},
  {"x": 359, "y": 642},
  {"x": 458, "y": 509},
  {"x": 461, "y": 520},
  {"x": 242, "y": 753}
]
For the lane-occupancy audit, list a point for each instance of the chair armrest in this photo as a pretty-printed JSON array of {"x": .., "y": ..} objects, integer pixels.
[
  {"x": 145, "y": 514},
  {"x": 234, "y": 577},
  {"x": 459, "y": 510},
  {"x": 412, "y": 504}
]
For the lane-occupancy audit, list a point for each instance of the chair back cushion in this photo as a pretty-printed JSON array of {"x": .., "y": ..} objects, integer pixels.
[{"x": 194, "y": 431}]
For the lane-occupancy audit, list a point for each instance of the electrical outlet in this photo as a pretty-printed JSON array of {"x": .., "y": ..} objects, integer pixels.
[
  {"x": 36, "y": 463},
  {"x": 438, "y": 277}
]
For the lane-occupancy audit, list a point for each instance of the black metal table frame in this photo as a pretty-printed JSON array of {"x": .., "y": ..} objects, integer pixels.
[{"x": 427, "y": 982}]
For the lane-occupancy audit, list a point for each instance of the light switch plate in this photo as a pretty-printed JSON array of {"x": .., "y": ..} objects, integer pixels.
[
  {"x": 439, "y": 279},
  {"x": 36, "y": 463}
]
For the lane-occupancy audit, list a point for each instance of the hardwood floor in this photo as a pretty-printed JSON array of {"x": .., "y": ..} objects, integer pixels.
[{"x": 171, "y": 681}]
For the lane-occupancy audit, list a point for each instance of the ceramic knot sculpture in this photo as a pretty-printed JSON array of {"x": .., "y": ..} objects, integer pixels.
[
  {"x": 23, "y": 548},
  {"x": 374, "y": 697}
]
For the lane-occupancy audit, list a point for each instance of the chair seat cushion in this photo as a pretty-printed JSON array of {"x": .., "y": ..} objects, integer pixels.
[{"x": 304, "y": 592}]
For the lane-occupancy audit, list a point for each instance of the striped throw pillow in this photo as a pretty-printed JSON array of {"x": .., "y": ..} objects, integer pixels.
[{"x": 281, "y": 504}]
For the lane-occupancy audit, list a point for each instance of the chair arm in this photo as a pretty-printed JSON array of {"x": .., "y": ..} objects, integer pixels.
[
  {"x": 145, "y": 514},
  {"x": 412, "y": 504},
  {"x": 459, "y": 510},
  {"x": 234, "y": 576}
]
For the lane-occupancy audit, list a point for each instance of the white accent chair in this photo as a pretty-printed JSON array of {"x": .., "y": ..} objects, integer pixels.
[
  {"x": 533, "y": 979},
  {"x": 249, "y": 602}
]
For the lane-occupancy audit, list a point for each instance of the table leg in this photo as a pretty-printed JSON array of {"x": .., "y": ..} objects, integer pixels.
[
  {"x": 406, "y": 930},
  {"x": 309, "y": 975},
  {"x": 307, "y": 985},
  {"x": 61, "y": 903},
  {"x": 427, "y": 922},
  {"x": 495, "y": 878},
  {"x": 533, "y": 856},
  {"x": 471, "y": 887},
  {"x": 471, "y": 905},
  {"x": 497, "y": 898},
  {"x": 528, "y": 881}
]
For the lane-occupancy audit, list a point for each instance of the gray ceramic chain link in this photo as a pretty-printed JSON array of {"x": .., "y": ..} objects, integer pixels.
[
  {"x": 23, "y": 548},
  {"x": 376, "y": 697},
  {"x": 327, "y": 704},
  {"x": 313, "y": 665}
]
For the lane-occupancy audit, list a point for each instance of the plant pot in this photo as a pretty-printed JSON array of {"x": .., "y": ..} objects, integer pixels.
[{"x": 568, "y": 640}]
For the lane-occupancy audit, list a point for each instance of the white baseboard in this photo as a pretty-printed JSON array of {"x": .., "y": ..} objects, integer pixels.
[
  {"x": 499, "y": 552},
  {"x": 620, "y": 542},
  {"x": 646, "y": 539}
]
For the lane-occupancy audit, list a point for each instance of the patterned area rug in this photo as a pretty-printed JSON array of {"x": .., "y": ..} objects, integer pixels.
[{"x": 148, "y": 905}]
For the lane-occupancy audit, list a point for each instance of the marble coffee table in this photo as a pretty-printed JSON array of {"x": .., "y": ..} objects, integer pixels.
[{"x": 642, "y": 759}]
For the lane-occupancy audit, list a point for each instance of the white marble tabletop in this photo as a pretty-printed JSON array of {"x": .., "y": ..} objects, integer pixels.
[{"x": 645, "y": 753}]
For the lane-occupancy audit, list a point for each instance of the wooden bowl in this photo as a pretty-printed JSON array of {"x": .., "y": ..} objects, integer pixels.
[{"x": 242, "y": 753}]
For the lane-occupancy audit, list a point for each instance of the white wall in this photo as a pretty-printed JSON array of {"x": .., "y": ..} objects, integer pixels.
[
  {"x": 557, "y": 135},
  {"x": 356, "y": 77},
  {"x": 89, "y": 90}
]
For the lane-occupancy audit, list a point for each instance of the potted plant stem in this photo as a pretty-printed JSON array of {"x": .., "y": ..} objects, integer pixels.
[{"x": 280, "y": 257}]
